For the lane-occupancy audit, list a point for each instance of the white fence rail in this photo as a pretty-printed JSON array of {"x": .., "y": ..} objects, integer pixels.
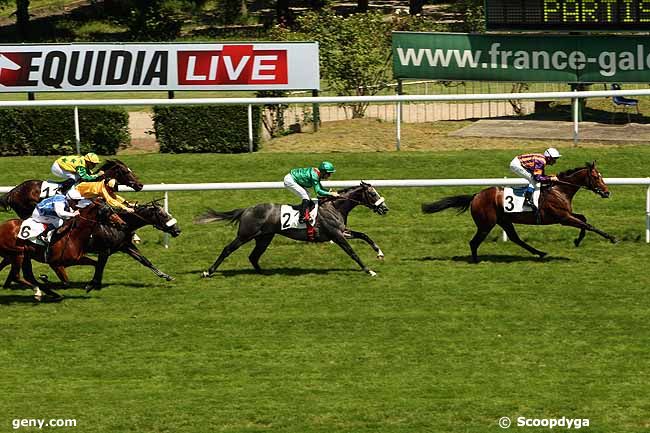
[
  {"x": 575, "y": 96},
  {"x": 392, "y": 183}
]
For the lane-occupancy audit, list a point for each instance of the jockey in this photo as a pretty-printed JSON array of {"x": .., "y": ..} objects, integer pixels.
[
  {"x": 106, "y": 190},
  {"x": 299, "y": 179},
  {"x": 531, "y": 167},
  {"x": 76, "y": 168},
  {"x": 52, "y": 211}
]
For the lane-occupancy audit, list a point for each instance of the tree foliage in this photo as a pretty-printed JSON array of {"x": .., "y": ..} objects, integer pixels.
[{"x": 354, "y": 50}]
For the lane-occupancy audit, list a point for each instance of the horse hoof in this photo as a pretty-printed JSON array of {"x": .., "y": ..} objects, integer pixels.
[
  {"x": 91, "y": 287},
  {"x": 542, "y": 255},
  {"x": 615, "y": 241},
  {"x": 576, "y": 243},
  {"x": 372, "y": 273},
  {"x": 169, "y": 278},
  {"x": 206, "y": 274}
]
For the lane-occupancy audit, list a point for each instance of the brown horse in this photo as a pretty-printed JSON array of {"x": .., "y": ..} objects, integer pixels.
[
  {"x": 67, "y": 247},
  {"x": 24, "y": 197},
  {"x": 554, "y": 208}
]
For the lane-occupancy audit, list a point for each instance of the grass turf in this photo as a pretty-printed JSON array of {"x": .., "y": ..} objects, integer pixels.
[{"x": 431, "y": 344}]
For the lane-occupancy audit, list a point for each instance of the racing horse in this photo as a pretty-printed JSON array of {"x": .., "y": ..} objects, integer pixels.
[
  {"x": 67, "y": 247},
  {"x": 263, "y": 221},
  {"x": 24, "y": 197},
  {"x": 555, "y": 208},
  {"x": 108, "y": 239}
]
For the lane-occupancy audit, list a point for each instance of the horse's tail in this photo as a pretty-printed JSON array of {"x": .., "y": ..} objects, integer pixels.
[
  {"x": 460, "y": 202},
  {"x": 212, "y": 215}
]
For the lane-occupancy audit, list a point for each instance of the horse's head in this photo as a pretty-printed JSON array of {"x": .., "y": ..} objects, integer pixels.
[
  {"x": 116, "y": 169},
  {"x": 596, "y": 183},
  {"x": 368, "y": 196},
  {"x": 155, "y": 215},
  {"x": 588, "y": 177}
]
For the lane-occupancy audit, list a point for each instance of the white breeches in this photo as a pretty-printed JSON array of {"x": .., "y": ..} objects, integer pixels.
[
  {"x": 292, "y": 186},
  {"x": 59, "y": 172},
  {"x": 46, "y": 219},
  {"x": 519, "y": 170}
]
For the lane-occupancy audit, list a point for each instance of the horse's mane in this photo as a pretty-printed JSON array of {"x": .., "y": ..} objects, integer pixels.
[
  {"x": 109, "y": 163},
  {"x": 574, "y": 170},
  {"x": 348, "y": 189}
]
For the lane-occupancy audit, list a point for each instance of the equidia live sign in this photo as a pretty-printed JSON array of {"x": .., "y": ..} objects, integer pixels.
[{"x": 85, "y": 67}]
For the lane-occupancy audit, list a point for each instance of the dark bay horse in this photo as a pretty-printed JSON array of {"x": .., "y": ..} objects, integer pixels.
[
  {"x": 108, "y": 239},
  {"x": 67, "y": 248},
  {"x": 262, "y": 222},
  {"x": 24, "y": 197},
  {"x": 554, "y": 208}
]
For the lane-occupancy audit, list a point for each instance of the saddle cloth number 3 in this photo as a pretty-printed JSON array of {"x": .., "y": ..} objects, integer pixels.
[
  {"x": 289, "y": 217},
  {"x": 513, "y": 200}
]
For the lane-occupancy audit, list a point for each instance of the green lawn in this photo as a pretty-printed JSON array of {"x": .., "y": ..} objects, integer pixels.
[{"x": 432, "y": 344}]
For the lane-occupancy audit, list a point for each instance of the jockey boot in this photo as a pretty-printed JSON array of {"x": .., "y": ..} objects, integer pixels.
[
  {"x": 304, "y": 212},
  {"x": 528, "y": 200},
  {"x": 66, "y": 185}
]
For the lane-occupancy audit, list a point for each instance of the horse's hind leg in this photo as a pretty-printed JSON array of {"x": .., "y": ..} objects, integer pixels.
[
  {"x": 583, "y": 231},
  {"x": 484, "y": 221},
  {"x": 228, "y": 250},
  {"x": 261, "y": 244},
  {"x": 514, "y": 237}
]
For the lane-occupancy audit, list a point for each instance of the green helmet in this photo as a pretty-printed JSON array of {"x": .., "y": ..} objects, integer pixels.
[{"x": 326, "y": 167}]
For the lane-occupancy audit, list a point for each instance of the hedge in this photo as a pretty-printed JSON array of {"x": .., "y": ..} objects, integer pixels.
[
  {"x": 197, "y": 129},
  {"x": 50, "y": 131}
]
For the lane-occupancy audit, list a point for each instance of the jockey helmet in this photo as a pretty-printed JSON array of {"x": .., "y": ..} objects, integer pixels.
[
  {"x": 91, "y": 157},
  {"x": 111, "y": 183},
  {"x": 326, "y": 167},
  {"x": 552, "y": 152}
]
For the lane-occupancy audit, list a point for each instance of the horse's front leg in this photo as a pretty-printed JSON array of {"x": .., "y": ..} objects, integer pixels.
[
  {"x": 351, "y": 234},
  {"x": 340, "y": 240},
  {"x": 96, "y": 282},
  {"x": 573, "y": 221},
  {"x": 134, "y": 252}
]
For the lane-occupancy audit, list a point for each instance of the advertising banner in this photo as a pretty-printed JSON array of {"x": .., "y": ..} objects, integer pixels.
[
  {"x": 523, "y": 58},
  {"x": 153, "y": 67}
]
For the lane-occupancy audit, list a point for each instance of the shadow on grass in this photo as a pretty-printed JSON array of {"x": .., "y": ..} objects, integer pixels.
[
  {"x": 492, "y": 258},
  {"x": 271, "y": 271},
  {"x": 28, "y": 298}
]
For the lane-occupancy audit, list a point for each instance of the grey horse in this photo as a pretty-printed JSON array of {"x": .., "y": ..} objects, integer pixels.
[{"x": 263, "y": 221}]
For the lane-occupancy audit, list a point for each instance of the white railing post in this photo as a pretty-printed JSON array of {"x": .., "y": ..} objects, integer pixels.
[
  {"x": 504, "y": 235},
  {"x": 77, "y": 135},
  {"x": 647, "y": 216},
  {"x": 576, "y": 112},
  {"x": 250, "y": 128},
  {"x": 398, "y": 121},
  {"x": 166, "y": 205}
]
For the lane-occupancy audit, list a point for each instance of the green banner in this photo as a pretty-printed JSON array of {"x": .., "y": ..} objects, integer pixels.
[{"x": 525, "y": 58}]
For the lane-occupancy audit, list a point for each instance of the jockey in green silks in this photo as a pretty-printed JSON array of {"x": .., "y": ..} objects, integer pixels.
[{"x": 299, "y": 179}]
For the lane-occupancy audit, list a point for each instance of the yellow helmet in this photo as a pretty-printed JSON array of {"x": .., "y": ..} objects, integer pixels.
[{"x": 92, "y": 157}]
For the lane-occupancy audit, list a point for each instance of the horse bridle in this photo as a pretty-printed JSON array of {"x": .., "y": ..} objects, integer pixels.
[
  {"x": 589, "y": 185},
  {"x": 173, "y": 221},
  {"x": 374, "y": 206}
]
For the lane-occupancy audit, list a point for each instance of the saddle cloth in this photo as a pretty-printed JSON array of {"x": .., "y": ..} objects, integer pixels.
[
  {"x": 49, "y": 188},
  {"x": 30, "y": 229},
  {"x": 513, "y": 200},
  {"x": 289, "y": 216}
]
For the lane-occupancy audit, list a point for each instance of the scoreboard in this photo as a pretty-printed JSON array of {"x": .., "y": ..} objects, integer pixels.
[{"x": 570, "y": 15}]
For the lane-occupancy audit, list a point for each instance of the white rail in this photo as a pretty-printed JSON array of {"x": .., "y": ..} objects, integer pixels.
[
  {"x": 392, "y": 183},
  {"x": 575, "y": 96}
]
